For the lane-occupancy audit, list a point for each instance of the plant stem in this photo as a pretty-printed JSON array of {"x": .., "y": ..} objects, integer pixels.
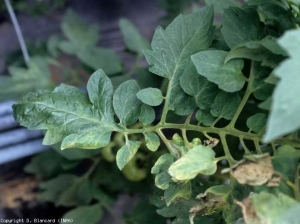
[
  {"x": 166, "y": 108},
  {"x": 245, "y": 98},
  {"x": 257, "y": 146},
  {"x": 167, "y": 143},
  {"x": 18, "y": 32},
  {"x": 92, "y": 168},
  {"x": 214, "y": 130},
  {"x": 134, "y": 66},
  {"x": 247, "y": 151},
  {"x": 229, "y": 158}
]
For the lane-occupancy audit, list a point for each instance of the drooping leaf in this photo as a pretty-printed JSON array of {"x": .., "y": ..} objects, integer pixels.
[
  {"x": 257, "y": 122},
  {"x": 150, "y": 96},
  {"x": 225, "y": 105},
  {"x": 144, "y": 212},
  {"x": 160, "y": 169},
  {"x": 126, "y": 153},
  {"x": 228, "y": 76},
  {"x": 177, "y": 190},
  {"x": 240, "y": 25},
  {"x": 147, "y": 115},
  {"x": 203, "y": 91},
  {"x": 285, "y": 110},
  {"x": 52, "y": 189},
  {"x": 77, "y": 123},
  {"x": 132, "y": 37},
  {"x": 126, "y": 104},
  {"x": 172, "y": 49},
  {"x": 152, "y": 141},
  {"x": 74, "y": 154},
  {"x": 48, "y": 164},
  {"x": 79, "y": 193},
  {"x": 91, "y": 214},
  {"x": 199, "y": 159}
]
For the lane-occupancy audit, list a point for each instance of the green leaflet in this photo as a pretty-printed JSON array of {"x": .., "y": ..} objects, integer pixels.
[
  {"x": 85, "y": 214},
  {"x": 205, "y": 117},
  {"x": 203, "y": 91},
  {"x": 177, "y": 190},
  {"x": 228, "y": 76},
  {"x": 199, "y": 159},
  {"x": 132, "y": 37},
  {"x": 36, "y": 76},
  {"x": 150, "y": 96},
  {"x": 240, "y": 25},
  {"x": 257, "y": 122},
  {"x": 172, "y": 49},
  {"x": 147, "y": 115},
  {"x": 82, "y": 42},
  {"x": 102, "y": 58},
  {"x": 126, "y": 153},
  {"x": 77, "y": 123},
  {"x": 78, "y": 32},
  {"x": 225, "y": 105},
  {"x": 152, "y": 141},
  {"x": 100, "y": 91},
  {"x": 160, "y": 169},
  {"x": 261, "y": 90},
  {"x": 284, "y": 115},
  {"x": 267, "y": 208},
  {"x": 126, "y": 104}
]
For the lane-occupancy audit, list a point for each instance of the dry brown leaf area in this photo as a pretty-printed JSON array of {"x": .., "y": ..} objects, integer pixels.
[
  {"x": 249, "y": 214},
  {"x": 255, "y": 170},
  {"x": 16, "y": 192}
]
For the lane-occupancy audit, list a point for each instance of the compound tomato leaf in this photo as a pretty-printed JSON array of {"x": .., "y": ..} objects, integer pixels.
[
  {"x": 172, "y": 49},
  {"x": 228, "y": 76},
  {"x": 150, "y": 96},
  {"x": 67, "y": 115},
  {"x": 132, "y": 37},
  {"x": 126, "y": 104},
  {"x": 200, "y": 159},
  {"x": 203, "y": 91},
  {"x": 225, "y": 105},
  {"x": 91, "y": 214},
  {"x": 240, "y": 25},
  {"x": 285, "y": 109},
  {"x": 147, "y": 115},
  {"x": 177, "y": 190},
  {"x": 126, "y": 153},
  {"x": 257, "y": 122},
  {"x": 152, "y": 141}
]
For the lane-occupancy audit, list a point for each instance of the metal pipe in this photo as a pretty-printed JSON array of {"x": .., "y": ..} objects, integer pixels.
[
  {"x": 18, "y": 136},
  {"x": 18, "y": 31},
  {"x": 15, "y": 152}
]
